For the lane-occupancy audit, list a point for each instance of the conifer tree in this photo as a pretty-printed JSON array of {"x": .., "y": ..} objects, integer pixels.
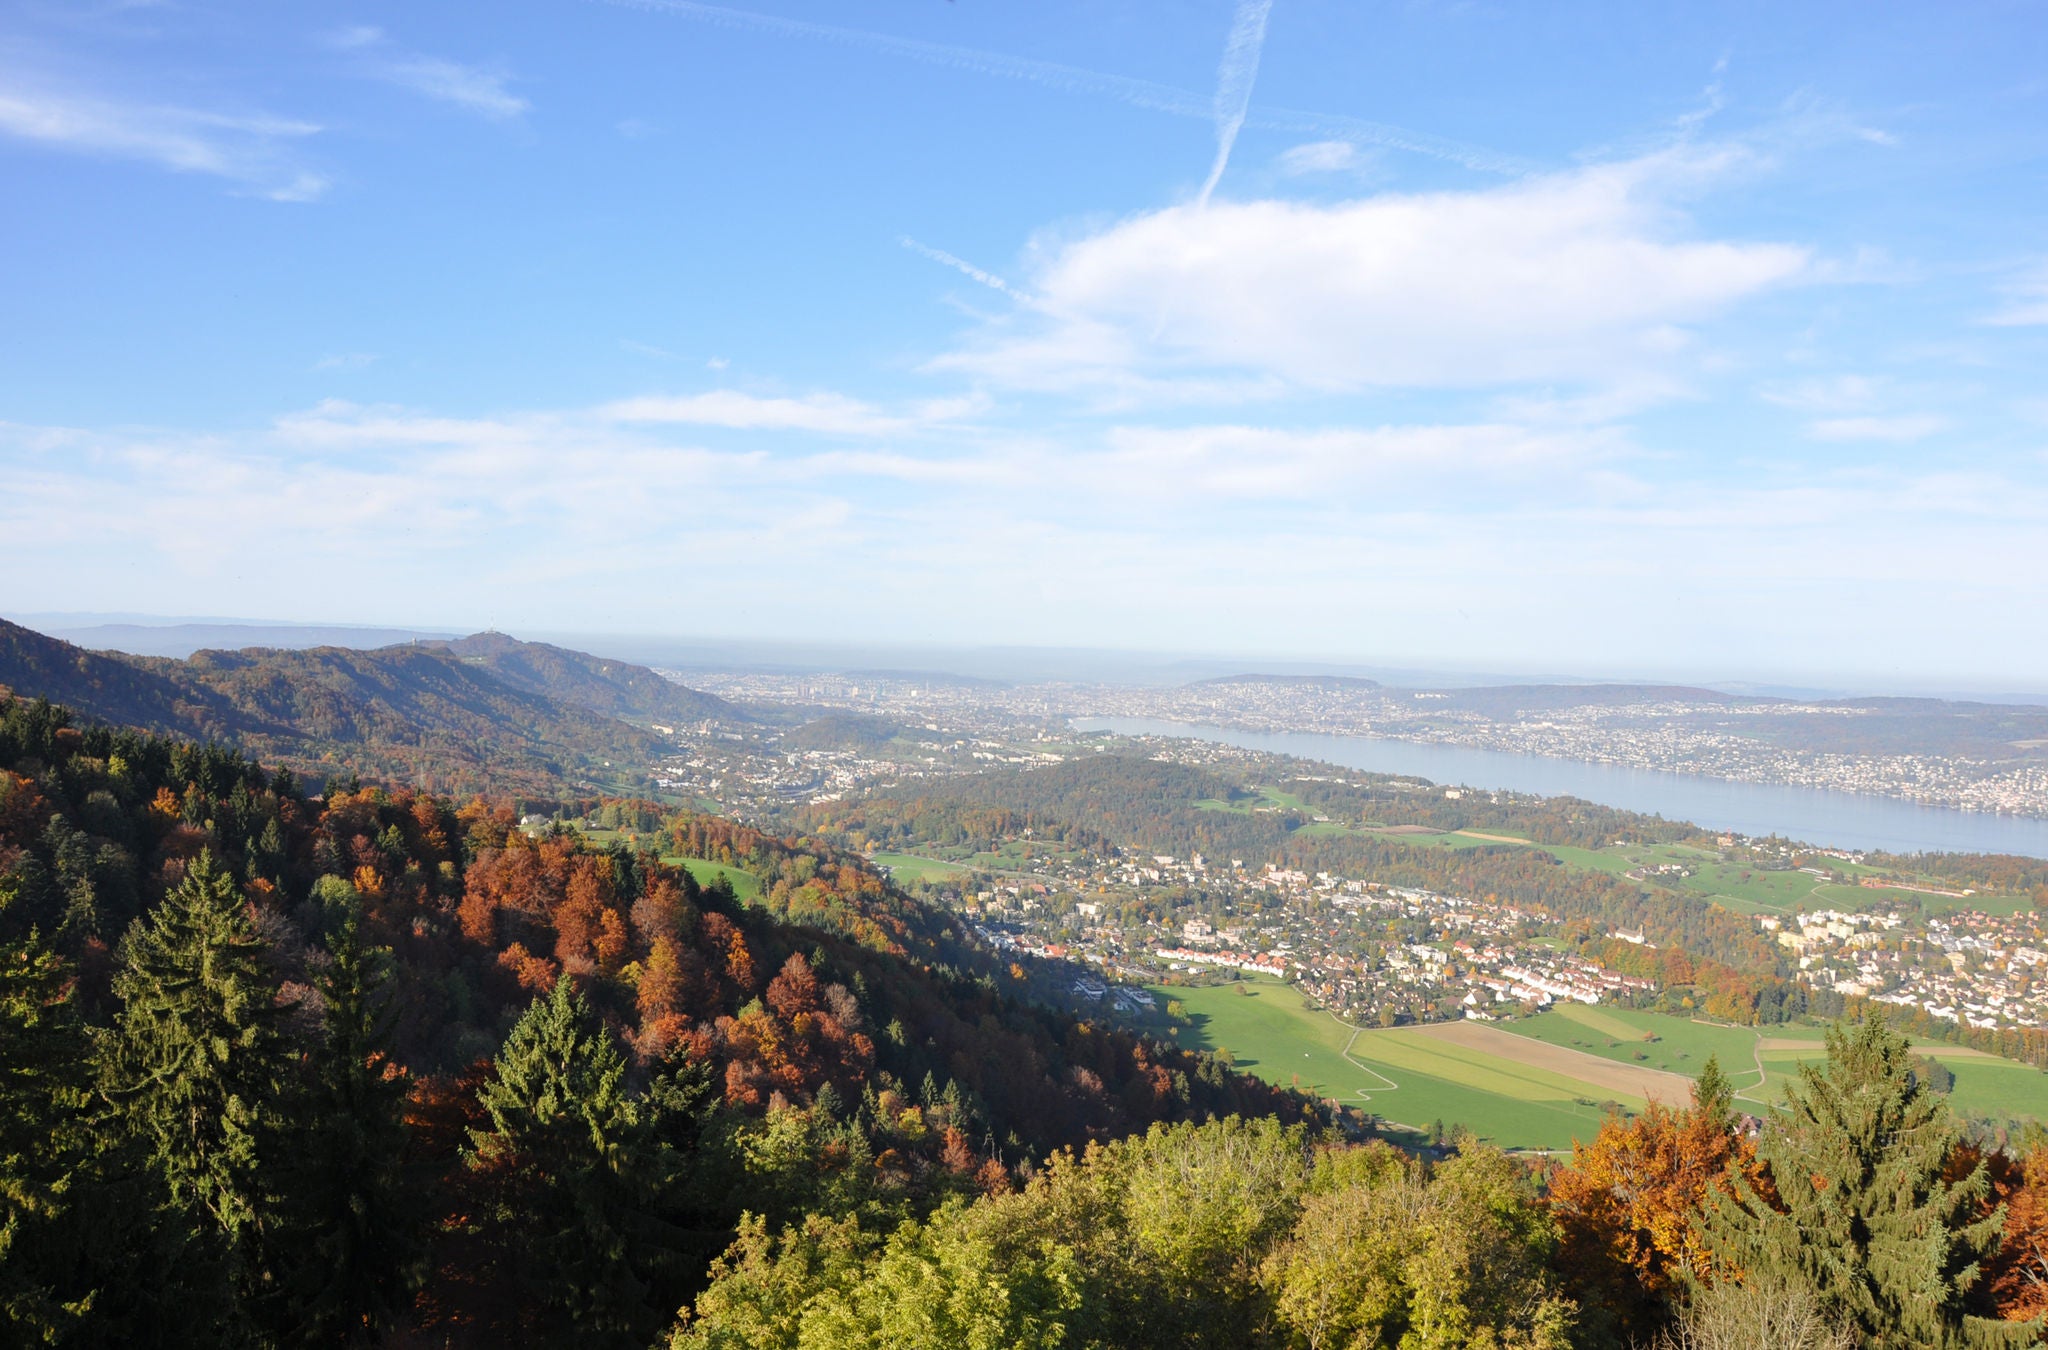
[
  {"x": 356, "y": 1227},
  {"x": 42, "y": 1086},
  {"x": 192, "y": 1065},
  {"x": 579, "y": 1171},
  {"x": 1713, "y": 1096},
  {"x": 1866, "y": 1219}
]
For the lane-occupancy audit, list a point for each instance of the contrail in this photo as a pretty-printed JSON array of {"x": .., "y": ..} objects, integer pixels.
[
  {"x": 1234, "y": 77},
  {"x": 939, "y": 255},
  {"x": 1145, "y": 94}
]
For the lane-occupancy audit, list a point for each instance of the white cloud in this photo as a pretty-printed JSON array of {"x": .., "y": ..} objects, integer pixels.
[
  {"x": 471, "y": 87},
  {"x": 475, "y": 89},
  {"x": 1325, "y": 465},
  {"x": 1320, "y": 157},
  {"x": 1908, "y": 427},
  {"x": 1576, "y": 276},
  {"x": 254, "y": 151},
  {"x": 828, "y": 413},
  {"x": 1367, "y": 540}
]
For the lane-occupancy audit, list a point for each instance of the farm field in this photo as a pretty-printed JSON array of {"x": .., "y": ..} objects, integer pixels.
[
  {"x": 1405, "y": 1078},
  {"x": 1483, "y": 1056},
  {"x": 1545, "y": 1094},
  {"x": 1985, "y": 1084},
  {"x": 1681, "y": 1045}
]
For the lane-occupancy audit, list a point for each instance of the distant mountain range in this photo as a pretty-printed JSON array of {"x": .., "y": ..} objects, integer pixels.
[
  {"x": 481, "y": 713},
  {"x": 183, "y": 639}
]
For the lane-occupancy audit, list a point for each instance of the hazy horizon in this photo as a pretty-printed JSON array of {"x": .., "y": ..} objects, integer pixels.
[{"x": 177, "y": 635}]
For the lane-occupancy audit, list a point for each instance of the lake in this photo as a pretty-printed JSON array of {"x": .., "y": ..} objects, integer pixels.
[{"x": 1810, "y": 815}]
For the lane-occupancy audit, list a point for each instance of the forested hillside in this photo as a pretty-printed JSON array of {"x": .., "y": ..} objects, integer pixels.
[
  {"x": 317, "y": 1064},
  {"x": 594, "y": 683},
  {"x": 483, "y": 713}
]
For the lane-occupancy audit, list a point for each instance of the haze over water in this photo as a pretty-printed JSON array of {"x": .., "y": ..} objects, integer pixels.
[{"x": 1811, "y": 815}]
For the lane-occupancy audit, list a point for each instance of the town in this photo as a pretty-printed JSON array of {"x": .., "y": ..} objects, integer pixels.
[
  {"x": 1717, "y": 739},
  {"x": 1370, "y": 951},
  {"x": 1385, "y": 955}
]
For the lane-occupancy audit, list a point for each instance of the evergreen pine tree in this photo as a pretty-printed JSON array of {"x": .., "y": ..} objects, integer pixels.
[
  {"x": 192, "y": 1066},
  {"x": 354, "y": 1247},
  {"x": 1713, "y": 1096},
  {"x": 42, "y": 1086},
  {"x": 579, "y": 1169},
  {"x": 1866, "y": 1219}
]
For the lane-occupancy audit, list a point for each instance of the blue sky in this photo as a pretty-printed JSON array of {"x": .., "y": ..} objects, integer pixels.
[{"x": 1618, "y": 338}]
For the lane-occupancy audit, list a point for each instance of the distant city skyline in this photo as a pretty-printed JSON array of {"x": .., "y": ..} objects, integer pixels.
[{"x": 1611, "y": 340}]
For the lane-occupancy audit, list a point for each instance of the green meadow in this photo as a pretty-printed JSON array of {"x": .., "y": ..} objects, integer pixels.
[
  {"x": 1271, "y": 1032},
  {"x": 1412, "y": 1081},
  {"x": 1653, "y": 1040},
  {"x": 913, "y": 867},
  {"x": 1269, "y": 799},
  {"x": 1985, "y": 1086},
  {"x": 745, "y": 884}
]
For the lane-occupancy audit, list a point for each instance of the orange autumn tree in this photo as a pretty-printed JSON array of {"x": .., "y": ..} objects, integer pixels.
[
  {"x": 2016, "y": 1275},
  {"x": 1625, "y": 1204}
]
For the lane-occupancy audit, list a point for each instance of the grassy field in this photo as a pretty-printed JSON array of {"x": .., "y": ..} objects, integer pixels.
[
  {"x": 1452, "y": 841},
  {"x": 1272, "y": 1033},
  {"x": 912, "y": 867},
  {"x": 2001, "y": 1089},
  {"x": 1680, "y": 1045},
  {"x": 745, "y": 884},
  {"x": 1412, "y": 1078},
  {"x": 1985, "y": 1085},
  {"x": 1269, "y": 799}
]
